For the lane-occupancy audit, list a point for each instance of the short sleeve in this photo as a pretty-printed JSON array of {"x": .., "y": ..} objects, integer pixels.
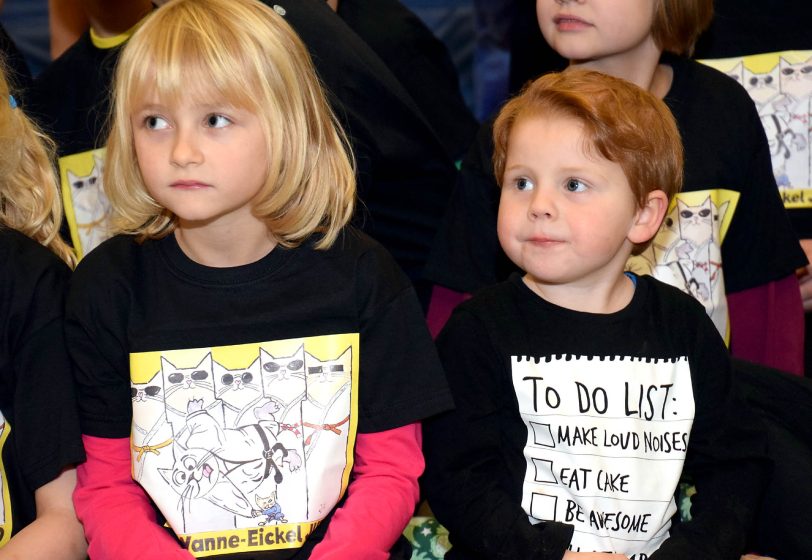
[
  {"x": 95, "y": 329},
  {"x": 45, "y": 421},
  {"x": 401, "y": 380}
]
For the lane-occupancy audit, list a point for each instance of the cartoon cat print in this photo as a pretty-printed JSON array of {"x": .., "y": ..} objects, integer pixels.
[{"x": 90, "y": 205}]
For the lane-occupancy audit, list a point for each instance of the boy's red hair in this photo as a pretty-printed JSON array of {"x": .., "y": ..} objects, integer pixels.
[{"x": 622, "y": 123}]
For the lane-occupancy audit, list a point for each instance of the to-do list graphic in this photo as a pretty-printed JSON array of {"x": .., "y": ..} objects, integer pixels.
[{"x": 606, "y": 441}]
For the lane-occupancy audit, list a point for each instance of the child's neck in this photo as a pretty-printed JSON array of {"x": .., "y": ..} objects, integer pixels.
[
  {"x": 588, "y": 297},
  {"x": 222, "y": 248},
  {"x": 640, "y": 66}
]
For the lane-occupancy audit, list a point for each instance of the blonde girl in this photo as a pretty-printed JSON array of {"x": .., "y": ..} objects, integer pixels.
[
  {"x": 251, "y": 369},
  {"x": 39, "y": 429}
]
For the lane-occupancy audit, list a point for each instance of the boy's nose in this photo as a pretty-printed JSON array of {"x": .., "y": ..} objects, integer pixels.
[{"x": 542, "y": 203}]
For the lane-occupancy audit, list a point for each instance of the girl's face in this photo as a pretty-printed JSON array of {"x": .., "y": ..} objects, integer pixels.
[
  {"x": 596, "y": 30},
  {"x": 205, "y": 162}
]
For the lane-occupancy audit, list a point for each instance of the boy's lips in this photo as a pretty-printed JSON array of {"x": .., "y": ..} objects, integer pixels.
[
  {"x": 567, "y": 22},
  {"x": 543, "y": 240}
]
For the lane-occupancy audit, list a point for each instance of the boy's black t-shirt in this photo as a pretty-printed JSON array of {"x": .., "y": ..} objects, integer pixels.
[
  {"x": 39, "y": 426},
  {"x": 550, "y": 401}
]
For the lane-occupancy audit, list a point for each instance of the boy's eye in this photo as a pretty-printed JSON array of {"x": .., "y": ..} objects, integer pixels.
[
  {"x": 217, "y": 121},
  {"x": 524, "y": 184},
  {"x": 575, "y": 185},
  {"x": 154, "y": 122}
]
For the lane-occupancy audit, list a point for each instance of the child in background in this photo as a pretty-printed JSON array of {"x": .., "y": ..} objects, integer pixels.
[
  {"x": 237, "y": 345},
  {"x": 727, "y": 239},
  {"x": 39, "y": 427},
  {"x": 584, "y": 392}
]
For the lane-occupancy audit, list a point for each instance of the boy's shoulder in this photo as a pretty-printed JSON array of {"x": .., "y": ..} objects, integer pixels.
[
  {"x": 669, "y": 300},
  {"x": 655, "y": 296}
]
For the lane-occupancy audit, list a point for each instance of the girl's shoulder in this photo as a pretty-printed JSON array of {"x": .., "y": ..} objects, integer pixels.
[
  {"x": 19, "y": 253},
  {"x": 119, "y": 255}
]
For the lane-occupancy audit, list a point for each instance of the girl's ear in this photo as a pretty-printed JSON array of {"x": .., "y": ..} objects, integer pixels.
[{"x": 649, "y": 217}]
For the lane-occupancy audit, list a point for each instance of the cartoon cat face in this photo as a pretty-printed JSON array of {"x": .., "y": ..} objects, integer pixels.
[
  {"x": 796, "y": 79},
  {"x": 325, "y": 378},
  {"x": 182, "y": 385},
  {"x": 283, "y": 381},
  {"x": 238, "y": 388},
  {"x": 265, "y": 503},
  {"x": 737, "y": 73},
  {"x": 87, "y": 194},
  {"x": 142, "y": 392},
  {"x": 194, "y": 474},
  {"x": 285, "y": 367},
  {"x": 696, "y": 222},
  {"x": 762, "y": 87}
]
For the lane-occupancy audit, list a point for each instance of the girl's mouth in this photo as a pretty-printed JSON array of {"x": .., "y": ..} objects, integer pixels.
[{"x": 566, "y": 22}]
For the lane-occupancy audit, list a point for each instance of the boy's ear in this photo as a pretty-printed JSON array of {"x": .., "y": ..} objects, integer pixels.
[{"x": 649, "y": 217}]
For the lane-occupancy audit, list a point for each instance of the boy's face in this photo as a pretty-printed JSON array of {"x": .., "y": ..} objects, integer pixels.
[
  {"x": 565, "y": 216},
  {"x": 589, "y": 30}
]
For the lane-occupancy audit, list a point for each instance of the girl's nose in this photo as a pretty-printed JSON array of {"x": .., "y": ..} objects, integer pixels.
[{"x": 185, "y": 149}]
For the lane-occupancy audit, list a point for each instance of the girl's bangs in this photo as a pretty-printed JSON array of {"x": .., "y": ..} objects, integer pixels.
[{"x": 186, "y": 65}]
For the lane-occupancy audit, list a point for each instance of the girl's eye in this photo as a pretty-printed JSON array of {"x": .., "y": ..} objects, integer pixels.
[
  {"x": 524, "y": 184},
  {"x": 217, "y": 121},
  {"x": 154, "y": 122},
  {"x": 575, "y": 185}
]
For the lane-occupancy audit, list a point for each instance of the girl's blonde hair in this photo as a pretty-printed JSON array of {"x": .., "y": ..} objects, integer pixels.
[
  {"x": 244, "y": 53},
  {"x": 30, "y": 199}
]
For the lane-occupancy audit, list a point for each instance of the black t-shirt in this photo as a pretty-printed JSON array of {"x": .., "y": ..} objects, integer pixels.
[
  {"x": 420, "y": 62},
  {"x": 272, "y": 368},
  {"x": 567, "y": 419},
  {"x": 17, "y": 73},
  {"x": 39, "y": 428},
  {"x": 741, "y": 29},
  {"x": 404, "y": 174},
  {"x": 71, "y": 97},
  {"x": 725, "y": 150}
]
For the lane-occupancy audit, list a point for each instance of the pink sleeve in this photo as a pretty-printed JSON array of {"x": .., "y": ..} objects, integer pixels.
[
  {"x": 442, "y": 303},
  {"x": 381, "y": 497},
  {"x": 119, "y": 520},
  {"x": 767, "y": 325}
]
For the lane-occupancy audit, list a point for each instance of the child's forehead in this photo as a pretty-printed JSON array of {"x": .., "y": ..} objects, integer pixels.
[
  {"x": 545, "y": 128},
  {"x": 555, "y": 142}
]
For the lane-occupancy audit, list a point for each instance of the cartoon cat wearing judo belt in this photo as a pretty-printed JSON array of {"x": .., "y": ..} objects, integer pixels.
[{"x": 225, "y": 466}]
